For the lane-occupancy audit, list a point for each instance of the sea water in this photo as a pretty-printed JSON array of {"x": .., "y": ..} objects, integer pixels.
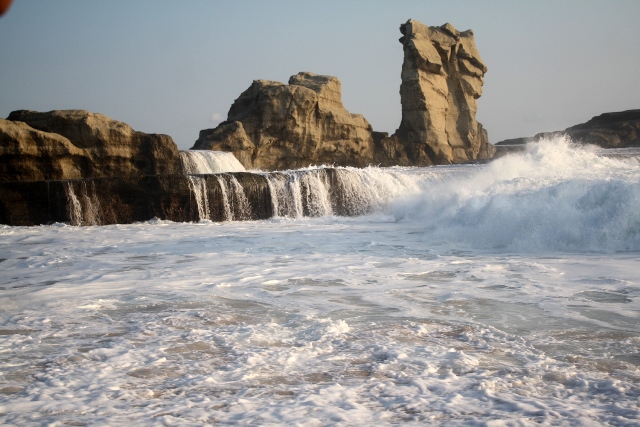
[{"x": 498, "y": 294}]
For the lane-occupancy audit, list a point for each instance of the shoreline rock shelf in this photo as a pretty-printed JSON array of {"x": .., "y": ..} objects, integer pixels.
[{"x": 229, "y": 196}]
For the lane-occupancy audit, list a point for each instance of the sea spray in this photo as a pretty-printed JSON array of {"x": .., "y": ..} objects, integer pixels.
[
  {"x": 554, "y": 196},
  {"x": 322, "y": 191}
]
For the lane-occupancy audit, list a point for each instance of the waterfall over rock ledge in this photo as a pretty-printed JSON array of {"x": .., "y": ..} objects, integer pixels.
[
  {"x": 229, "y": 196},
  {"x": 207, "y": 162}
]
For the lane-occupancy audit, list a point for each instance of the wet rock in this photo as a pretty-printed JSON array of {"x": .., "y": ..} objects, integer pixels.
[{"x": 128, "y": 199}]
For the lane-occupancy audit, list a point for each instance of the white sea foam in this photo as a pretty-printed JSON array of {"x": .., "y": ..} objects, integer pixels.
[
  {"x": 372, "y": 320},
  {"x": 554, "y": 196}
]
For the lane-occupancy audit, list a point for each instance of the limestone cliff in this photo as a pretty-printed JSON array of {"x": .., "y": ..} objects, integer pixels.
[
  {"x": 70, "y": 144},
  {"x": 276, "y": 126},
  {"x": 442, "y": 77}
]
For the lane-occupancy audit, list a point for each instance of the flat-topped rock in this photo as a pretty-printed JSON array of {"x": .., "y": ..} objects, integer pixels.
[
  {"x": 70, "y": 144},
  {"x": 273, "y": 126}
]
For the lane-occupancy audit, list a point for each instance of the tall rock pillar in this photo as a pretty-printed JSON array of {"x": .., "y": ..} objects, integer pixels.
[{"x": 442, "y": 76}]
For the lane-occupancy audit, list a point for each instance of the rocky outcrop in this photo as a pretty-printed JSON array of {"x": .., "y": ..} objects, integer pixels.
[
  {"x": 277, "y": 126},
  {"x": 442, "y": 77},
  {"x": 71, "y": 144},
  {"x": 608, "y": 130}
]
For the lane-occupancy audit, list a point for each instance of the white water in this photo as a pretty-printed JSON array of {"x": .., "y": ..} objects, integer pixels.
[
  {"x": 240, "y": 199},
  {"x": 358, "y": 191},
  {"x": 90, "y": 214},
  {"x": 551, "y": 197},
  {"x": 199, "y": 189},
  {"x": 198, "y": 162},
  {"x": 499, "y": 294},
  {"x": 228, "y": 213}
]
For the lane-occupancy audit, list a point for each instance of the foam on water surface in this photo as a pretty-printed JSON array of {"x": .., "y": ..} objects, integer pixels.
[
  {"x": 372, "y": 320},
  {"x": 325, "y": 321}
]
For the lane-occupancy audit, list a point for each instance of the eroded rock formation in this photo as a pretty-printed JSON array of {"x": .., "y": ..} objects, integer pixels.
[
  {"x": 442, "y": 76},
  {"x": 71, "y": 144},
  {"x": 276, "y": 126}
]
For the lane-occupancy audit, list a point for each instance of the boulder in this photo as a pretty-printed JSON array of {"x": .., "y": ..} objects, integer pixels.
[
  {"x": 70, "y": 144},
  {"x": 275, "y": 126},
  {"x": 609, "y": 130},
  {"x": 442, "y": 77}
]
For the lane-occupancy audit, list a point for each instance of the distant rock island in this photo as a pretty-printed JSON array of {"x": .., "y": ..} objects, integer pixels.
[
  {"x": 608, "y": 130},
  {"x": 277, "y": 126}
]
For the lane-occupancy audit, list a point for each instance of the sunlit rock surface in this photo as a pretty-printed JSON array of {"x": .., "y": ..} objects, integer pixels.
[
  {"x": 71, "y": 144},
  {"x": 442, "y": 77},
  {"x": 275, "y": 126}
]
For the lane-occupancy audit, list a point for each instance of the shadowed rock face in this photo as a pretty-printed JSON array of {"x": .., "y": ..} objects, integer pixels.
[
  {"x": 71, "y": 144},
  {"x": 442, "y": 76},
  {"x": 609, "y": 130},
  {"x": 128, "y": 199},
  {"x": 276, "y": 126}
]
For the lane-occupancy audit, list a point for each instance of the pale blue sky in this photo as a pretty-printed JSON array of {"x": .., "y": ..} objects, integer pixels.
[{"x": 169, "y": 66}]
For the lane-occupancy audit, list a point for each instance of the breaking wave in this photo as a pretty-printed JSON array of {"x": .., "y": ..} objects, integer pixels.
[{"x": 553, "y": 196}]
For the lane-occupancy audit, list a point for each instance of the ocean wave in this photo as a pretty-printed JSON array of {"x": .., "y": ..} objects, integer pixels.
[{"x": 554, "y": 196}]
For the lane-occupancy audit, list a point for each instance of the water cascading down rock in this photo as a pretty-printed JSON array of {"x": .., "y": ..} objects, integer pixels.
[{"x": 87, "y": 169}]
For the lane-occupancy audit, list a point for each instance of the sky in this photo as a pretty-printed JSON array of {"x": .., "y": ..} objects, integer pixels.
[{"x": 175, "y": 67}]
